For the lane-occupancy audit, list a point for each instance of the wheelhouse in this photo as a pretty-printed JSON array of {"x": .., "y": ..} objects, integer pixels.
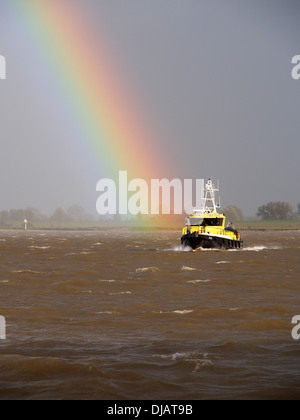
[{"x": 206, "y": 220}]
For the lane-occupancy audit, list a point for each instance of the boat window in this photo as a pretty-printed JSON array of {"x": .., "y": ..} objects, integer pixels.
[
  {"x": 215, "y": 221},
  {"x": 194, "y": 221}
]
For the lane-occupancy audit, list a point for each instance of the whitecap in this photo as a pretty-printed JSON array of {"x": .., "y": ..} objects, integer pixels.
[
  {"x": 183, "y": 312},
  {"x": 259, "y": 248},
  {"x": 178, "y": 248},
  {"x": 185, "y": 268},
  {"x": 223, "y": 262},
  {"x": 255, "y": 248},
  {"x": 199, "y": 281},
  {"x": 107, "y": 313},
  {"x": 201, "y": 363},
  {"x": 200, "y": 360},
  {"x": 39, "y": 247},
  {"x": 177, "y": 311},
  {"x": 174, "y": 356},
  {"x": 26, "y": 271},
  {"x": 147, "y": 269},
  {"x": 104, "y": 313},
  {"x": 107, "y": 281},
  {"x": 120, "y": 293}
]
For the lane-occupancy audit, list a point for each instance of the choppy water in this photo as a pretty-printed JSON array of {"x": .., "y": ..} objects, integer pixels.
[{"x": 125, "y": 315}]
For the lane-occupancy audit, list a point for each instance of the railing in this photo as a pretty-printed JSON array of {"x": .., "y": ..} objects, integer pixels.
[{"x": 206, "y": 229}]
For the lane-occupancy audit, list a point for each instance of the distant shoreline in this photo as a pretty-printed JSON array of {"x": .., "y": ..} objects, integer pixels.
[{"x": 243, "y": 226}]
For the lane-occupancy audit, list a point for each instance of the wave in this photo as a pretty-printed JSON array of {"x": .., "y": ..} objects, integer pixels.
[
  {"x": 177, "y": 248},
  {"x": 107, "y": 281},
  {"x": 177, "y": 311},
  {"x": 120, "y": 293},
  {"x": 208, "y": 249},
  {"x": 185, "y": 268},
  {"x": 147, "y": 269},
  {"x": 26, "y": 271},
  {"x": 174, "y": 356},
  {"x": 183, "y": 312},
  {"x": 258, "y": 248},
  {"x": 199, "y": 281},
  {"x": 201, "y": 360},
  {"x": 39, "y": 247},
  {"x": 105, "y": 313}
]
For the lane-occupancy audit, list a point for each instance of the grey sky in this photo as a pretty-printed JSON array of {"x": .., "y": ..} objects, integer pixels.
[{"x": 214, "y": 76}]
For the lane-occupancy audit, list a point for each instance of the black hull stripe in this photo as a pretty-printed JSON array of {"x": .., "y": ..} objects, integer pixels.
[{"x": 214, "y": 242}]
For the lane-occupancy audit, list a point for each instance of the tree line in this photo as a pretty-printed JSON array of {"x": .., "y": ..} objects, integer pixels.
[
  {"x": 278, "y": 210},
  {"x": 271, "y": 211},
  {"x": 73, "y": 214}
]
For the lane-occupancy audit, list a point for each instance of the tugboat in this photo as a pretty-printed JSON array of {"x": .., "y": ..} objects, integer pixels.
[{"x": 205, "y": 228}]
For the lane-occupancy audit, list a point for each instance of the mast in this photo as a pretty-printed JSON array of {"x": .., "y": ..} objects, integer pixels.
[{"x": 209, "y": 199}]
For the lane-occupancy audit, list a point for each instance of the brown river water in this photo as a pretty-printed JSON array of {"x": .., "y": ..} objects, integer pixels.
[{"x": 133, "y": 316}]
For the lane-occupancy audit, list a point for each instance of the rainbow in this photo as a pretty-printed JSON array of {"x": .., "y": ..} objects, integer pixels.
[{"x": 88, "y": 77}]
